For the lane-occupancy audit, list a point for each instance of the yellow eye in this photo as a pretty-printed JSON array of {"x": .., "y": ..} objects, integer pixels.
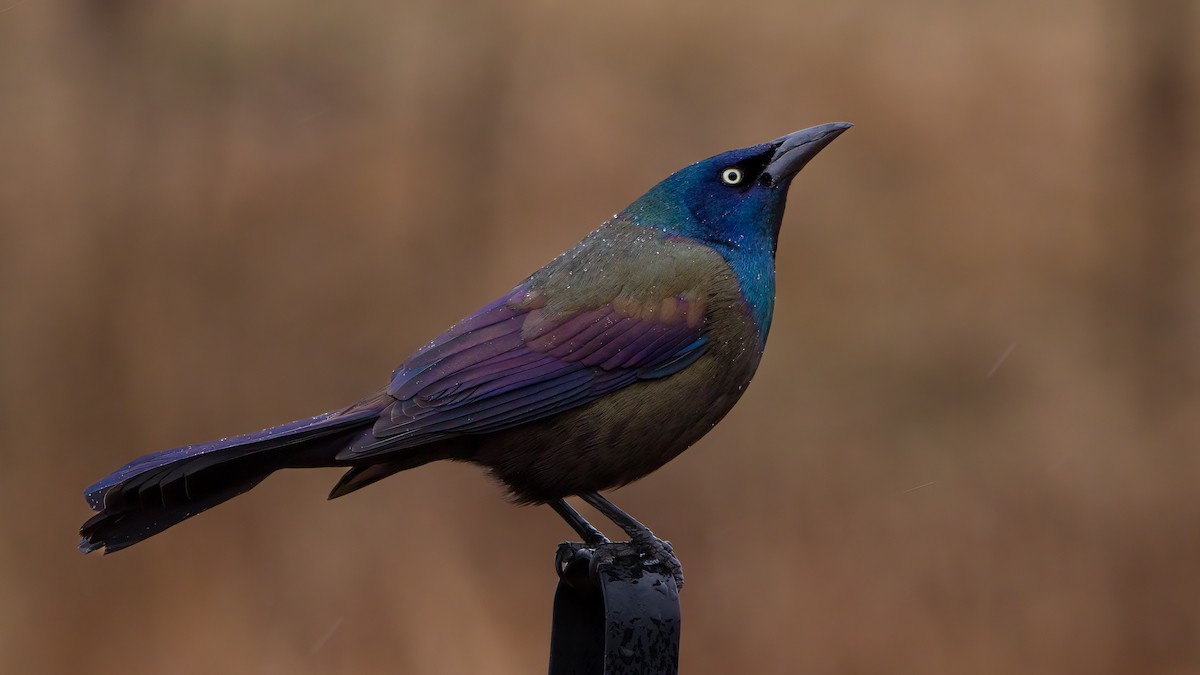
[{"x": 732, "y": 176}]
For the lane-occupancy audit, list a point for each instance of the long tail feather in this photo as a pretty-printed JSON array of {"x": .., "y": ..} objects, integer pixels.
[{"x": 156, "y": 491}]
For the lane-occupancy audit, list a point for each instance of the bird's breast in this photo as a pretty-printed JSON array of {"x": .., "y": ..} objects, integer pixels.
[{"x": 635, "y": 430}]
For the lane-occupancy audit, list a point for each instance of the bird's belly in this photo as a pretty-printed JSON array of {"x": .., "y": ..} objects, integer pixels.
[{"x": 621, "y": 437}]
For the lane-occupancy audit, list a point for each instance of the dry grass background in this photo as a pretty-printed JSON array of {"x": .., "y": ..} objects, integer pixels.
[{"x": 218, "y": 215}]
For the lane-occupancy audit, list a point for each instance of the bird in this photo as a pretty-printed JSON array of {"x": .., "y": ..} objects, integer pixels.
[{"x": 593, "y": 372}]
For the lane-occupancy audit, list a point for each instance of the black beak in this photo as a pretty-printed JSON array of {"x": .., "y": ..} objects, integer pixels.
[{"x": 793, "y": 151}]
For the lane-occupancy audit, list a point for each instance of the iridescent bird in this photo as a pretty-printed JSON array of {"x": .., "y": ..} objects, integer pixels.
[{"x": 593, "y": 372}]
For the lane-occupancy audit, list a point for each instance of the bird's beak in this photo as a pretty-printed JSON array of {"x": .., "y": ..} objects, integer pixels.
[{"x": 793, "y": 151}]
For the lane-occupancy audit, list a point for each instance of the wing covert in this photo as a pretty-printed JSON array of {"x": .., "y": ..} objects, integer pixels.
[{"x": 515, "y": 361}]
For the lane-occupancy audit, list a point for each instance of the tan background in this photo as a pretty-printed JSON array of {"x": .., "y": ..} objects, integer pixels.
[{"x": 217, "y": 215}]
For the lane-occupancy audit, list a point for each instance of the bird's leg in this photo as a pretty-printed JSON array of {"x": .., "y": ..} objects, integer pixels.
[
  {"x": 590, "y": 535},
  {"x": 639, "y": 535}
]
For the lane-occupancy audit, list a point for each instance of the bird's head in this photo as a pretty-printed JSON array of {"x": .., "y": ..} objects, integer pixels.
[{"x": 735, "y": 199}]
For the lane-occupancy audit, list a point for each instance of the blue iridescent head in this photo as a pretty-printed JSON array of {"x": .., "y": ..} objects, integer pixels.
[
  {"x": 734, "y": 199},
  {"x": 734, "y": 202}
]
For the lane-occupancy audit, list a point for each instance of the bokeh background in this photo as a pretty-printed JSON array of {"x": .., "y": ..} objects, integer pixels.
[{"x": 972, "y": 446}]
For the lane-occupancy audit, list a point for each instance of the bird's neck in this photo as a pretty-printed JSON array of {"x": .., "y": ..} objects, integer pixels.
[
  {"x": 752, "y": 258},
  {"x": 755, "y": 270}
]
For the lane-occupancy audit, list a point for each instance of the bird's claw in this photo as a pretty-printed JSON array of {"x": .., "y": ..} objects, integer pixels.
[
  {"x": 573, "y": 558},
  {"x": 660, "y": 551},
  {"x": 568, "y": 559}
]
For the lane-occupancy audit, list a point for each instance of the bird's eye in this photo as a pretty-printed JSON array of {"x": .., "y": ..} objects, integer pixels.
[{"x": 732, "y": 176}]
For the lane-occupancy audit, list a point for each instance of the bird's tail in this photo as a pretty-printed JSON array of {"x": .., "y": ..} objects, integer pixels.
[{"x": 154, "y": 492}]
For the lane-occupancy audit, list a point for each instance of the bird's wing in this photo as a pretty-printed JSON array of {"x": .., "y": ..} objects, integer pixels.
[{"x": 518, "y": 360}]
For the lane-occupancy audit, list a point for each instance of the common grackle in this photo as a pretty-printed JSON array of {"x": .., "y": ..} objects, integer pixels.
[{"x": 591, "y": 373}]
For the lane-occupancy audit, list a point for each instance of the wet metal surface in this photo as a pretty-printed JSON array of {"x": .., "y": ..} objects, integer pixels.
[{"x": 615, "y": 613}]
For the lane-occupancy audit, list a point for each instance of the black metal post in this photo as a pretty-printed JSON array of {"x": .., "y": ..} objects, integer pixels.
[{"x": 615, "y": 613}]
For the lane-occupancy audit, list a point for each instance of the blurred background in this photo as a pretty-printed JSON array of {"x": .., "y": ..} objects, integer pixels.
[{"x": 972, "y": 444}]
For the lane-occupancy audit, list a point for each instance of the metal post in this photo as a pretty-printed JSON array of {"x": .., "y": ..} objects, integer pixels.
[{"x": 615, "y": 613}]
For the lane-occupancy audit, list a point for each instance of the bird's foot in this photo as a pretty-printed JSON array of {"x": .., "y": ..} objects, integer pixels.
[
  {"x": 578, "y": 561},
  {"x": 652, "y": 549},
  {"x": 658, "y": 551}
]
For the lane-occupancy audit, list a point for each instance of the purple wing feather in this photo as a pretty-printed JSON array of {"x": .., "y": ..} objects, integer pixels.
[{"x": 509, "y": 364}]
